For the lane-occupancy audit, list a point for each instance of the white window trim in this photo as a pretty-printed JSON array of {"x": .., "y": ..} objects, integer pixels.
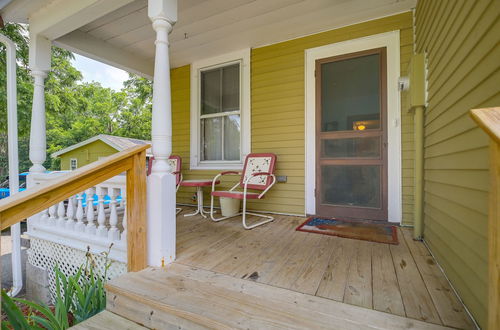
[
  {"x": 71, "y": 161},
  {"x": 244, "y": 57},
  {"x": 394, "y": 180}
]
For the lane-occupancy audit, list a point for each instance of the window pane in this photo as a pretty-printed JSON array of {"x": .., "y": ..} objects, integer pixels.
[
  {"x": 231, "y": 88},
  {"x": 232, "y": 137},
  {"x": 211, "y": 133},
  {"x": 210, "y": 91},
  {"x": 351, "y": 185},
  {"x": 350, "y": 94},
  {"x": 368, "y": 147}
]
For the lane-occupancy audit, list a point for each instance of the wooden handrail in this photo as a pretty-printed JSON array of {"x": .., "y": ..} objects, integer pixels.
[
  {"x": 133, "y": 161},
  {"x": 489, "y": 120}
]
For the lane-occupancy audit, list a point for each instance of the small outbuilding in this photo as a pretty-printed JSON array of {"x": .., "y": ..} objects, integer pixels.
[{"x": 95, "y": 148}]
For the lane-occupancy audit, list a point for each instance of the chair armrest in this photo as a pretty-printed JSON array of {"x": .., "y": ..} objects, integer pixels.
[
  {"x": 261, "y": 173},
  {"x": 221, "y": 174},
  {"x": 230, "y": 172}
]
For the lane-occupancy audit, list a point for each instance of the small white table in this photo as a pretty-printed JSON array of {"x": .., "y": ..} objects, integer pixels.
[{"x": 199, "y": 184}]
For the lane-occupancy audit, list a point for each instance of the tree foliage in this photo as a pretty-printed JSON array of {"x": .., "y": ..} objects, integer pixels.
[{"x": 75, "y": 110}]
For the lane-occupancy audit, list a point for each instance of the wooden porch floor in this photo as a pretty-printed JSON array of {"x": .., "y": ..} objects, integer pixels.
[{"x": 398, "y": 279}]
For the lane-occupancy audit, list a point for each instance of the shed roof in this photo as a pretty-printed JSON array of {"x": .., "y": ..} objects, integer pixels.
[{"x": 119, "y": 143}]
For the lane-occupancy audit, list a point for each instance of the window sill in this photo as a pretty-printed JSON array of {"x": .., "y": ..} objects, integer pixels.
[{"x": 217, "y": 166}]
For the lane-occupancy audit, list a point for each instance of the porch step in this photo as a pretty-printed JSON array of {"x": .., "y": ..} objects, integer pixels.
[
  {"x": 107, "y": 321},
  {"x": 190, "y": 298}
]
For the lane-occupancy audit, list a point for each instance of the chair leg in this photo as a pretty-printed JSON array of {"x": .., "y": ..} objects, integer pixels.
[
  {"x": 244, "y": 213},
  {"x": 212, "y": 211}
]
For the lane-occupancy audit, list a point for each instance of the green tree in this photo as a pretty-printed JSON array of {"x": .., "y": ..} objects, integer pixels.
[{"x": 75, "y": 111}]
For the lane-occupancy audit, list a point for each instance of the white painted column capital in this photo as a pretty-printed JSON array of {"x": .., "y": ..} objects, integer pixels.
[
  {"x": 39, "y": 76},
  {"x": 161, "y": 24},
  {"x": 38, "y": 144}
]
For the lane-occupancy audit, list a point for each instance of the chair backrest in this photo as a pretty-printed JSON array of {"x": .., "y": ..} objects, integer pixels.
[
  {"x": 255, "y": 163},
  {"x": 175, "y": 163}
]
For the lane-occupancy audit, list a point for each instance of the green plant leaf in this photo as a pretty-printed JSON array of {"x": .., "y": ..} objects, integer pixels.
[
  {"x": 14, "y": 314},
  {"x": 45, "y": 323},
  {"x": 42, "y": 308}
]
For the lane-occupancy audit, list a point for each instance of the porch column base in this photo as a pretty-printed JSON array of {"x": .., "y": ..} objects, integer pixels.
[{"x": 161, "y": 218}]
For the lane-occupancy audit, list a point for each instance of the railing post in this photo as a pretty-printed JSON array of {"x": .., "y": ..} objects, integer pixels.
[
  {"x": 136, "y": 214},
  {"x": 113, "y": 233},
  {"x": 90, "y": 228},
  {"x": 80, "y": 225},
  {"x": 102, "y": 231},
  {"x": 489, "y": 120}
]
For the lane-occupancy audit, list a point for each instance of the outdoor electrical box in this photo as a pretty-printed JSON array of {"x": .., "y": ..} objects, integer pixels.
[{"x": 416, "y": 74}]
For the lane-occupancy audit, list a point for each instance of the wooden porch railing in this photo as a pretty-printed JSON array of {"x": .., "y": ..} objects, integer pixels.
[
  {"x": 133, "y": 161},
  {"x": 489, "y": 120}
]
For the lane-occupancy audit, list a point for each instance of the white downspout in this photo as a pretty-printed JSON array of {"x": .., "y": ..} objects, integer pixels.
[{"x": 17, "y": 276}]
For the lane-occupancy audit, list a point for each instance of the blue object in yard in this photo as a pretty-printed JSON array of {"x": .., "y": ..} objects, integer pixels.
[
  {"x": 5, "y": 192},
  {"x": 107, "y": 199}
]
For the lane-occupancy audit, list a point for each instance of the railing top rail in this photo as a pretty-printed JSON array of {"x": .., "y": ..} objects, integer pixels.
[
  {"x": 31, "y": 201},
  {"x": 489, "y": 120}
]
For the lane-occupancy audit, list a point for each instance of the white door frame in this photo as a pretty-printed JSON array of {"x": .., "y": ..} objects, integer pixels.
[{"x": 390, "y": 40}]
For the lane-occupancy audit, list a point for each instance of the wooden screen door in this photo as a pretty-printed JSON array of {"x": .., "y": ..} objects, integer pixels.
[{"x": 351, "y": 135}]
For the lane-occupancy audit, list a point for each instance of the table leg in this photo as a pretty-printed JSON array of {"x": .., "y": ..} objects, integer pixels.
[{"x": 199, "y": 198}]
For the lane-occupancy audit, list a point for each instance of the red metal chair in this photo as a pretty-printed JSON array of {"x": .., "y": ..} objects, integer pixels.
[
  {"x": 175, "y": 163},
  {"x": 258, "y": 174}
]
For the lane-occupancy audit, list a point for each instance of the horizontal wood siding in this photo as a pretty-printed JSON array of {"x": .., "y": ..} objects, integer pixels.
[
  {"x": 278, "y": 105},
  {"x": 277, "y": 112},
  {"x": 461, "y": 39}
]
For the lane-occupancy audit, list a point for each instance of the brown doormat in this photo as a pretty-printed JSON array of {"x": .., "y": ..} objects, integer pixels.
[{"x": 366, "y": 231}]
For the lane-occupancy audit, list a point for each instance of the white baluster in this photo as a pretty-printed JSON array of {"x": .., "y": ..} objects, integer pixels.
[
  {"x": 124, "y": 219},
  {"x": 44, "y": 217},
  {"x": 70, "y": 213},
  {"x": 52, "y": 215},
  {"x": 79, "y": 226},
  {"x": 90, "y": 228},
  {"x": 61, "y": 213},
  {"x": 102, "y": 231},
  {"x": 114, "y": 233}
]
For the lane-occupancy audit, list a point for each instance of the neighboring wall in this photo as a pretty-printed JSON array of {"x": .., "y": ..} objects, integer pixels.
[
  {"x": 461, "y": 39},
  {"x": 87, "y": 154},
  {"x": 277, "y": 111}
]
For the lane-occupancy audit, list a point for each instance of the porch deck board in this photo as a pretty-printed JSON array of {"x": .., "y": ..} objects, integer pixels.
[
  {"x": 399, "y": 279},
  {"x": 388, "y": 297},
  {"x": 107, "y": 321}
]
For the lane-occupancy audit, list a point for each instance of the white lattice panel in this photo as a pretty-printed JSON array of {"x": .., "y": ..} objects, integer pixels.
[{"x": 46, "y": 255}]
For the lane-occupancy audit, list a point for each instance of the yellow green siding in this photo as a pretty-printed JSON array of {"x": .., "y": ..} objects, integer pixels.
[
  {"x": 278, "y": 110},
  {"x": 86, "y": 154},
  {"x": 461, "y": 39}
]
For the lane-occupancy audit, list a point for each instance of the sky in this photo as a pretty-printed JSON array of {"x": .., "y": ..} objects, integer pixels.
[{"x": 105, "y": 74}]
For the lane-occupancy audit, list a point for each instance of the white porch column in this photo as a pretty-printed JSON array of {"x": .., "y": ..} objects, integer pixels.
[
  {"x": 161, "y": 183},
  {"x": 39, "y": 60}
]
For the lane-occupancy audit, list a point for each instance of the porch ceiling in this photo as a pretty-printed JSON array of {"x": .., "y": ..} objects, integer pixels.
[{"x": 207, "y": 28}]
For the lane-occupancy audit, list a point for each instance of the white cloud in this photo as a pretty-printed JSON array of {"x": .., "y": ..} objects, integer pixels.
[{"x": 107, "y": 75}]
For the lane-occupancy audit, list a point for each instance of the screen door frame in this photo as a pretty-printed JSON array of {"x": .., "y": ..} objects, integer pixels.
[{"x": 348, "y": 211}]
